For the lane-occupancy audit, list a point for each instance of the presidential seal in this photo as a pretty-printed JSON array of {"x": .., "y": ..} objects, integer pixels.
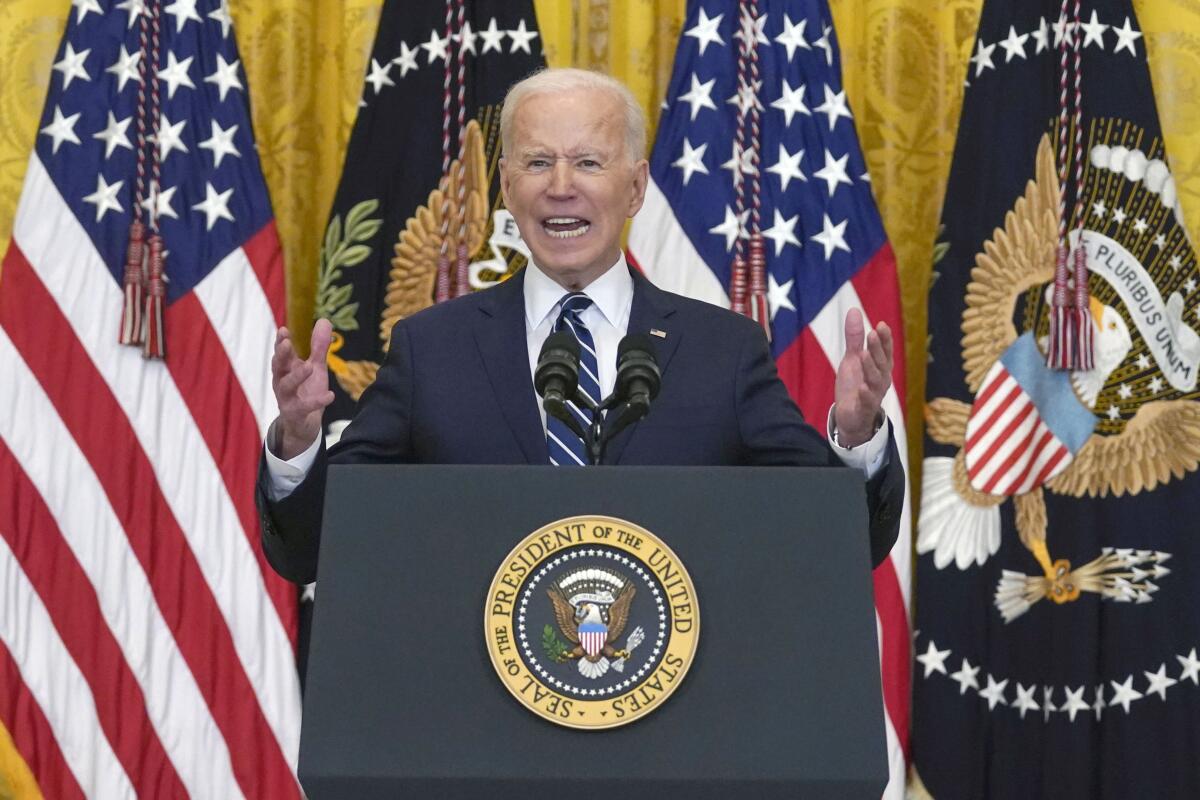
[{"x": 591, "y": 622}]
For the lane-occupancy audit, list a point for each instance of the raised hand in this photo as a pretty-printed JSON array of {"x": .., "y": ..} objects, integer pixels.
[
  {"x": 301, "y": 389},
  {"x": 863, "y": 379}
]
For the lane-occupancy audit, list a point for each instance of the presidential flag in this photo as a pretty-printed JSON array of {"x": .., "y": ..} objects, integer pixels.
[
  {"x": 759, "y": 198},
  {"x": 1057, "y": 632},
  {"x": 146, "y": 649},
  {"x": 418, "y": 216}
]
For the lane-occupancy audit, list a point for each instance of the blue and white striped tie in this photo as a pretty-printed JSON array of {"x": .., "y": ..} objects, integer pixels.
[{"x": 567, "y": 449}]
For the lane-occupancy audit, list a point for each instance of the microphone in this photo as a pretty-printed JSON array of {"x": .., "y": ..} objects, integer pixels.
[
  {"x": 556, "y": 377},
  {"x": 638, "y": 376}
]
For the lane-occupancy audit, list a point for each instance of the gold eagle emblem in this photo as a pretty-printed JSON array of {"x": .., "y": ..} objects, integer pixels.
[
  {"x": 438, "y": 226},
  {"x": 1131, "y": 444}
]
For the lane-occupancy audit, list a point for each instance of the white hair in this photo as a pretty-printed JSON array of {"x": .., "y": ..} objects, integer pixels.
[{"x": 568, "y": 79}]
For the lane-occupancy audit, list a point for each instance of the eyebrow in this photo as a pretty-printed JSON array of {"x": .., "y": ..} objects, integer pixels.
[{"x": 537, "y": 152}]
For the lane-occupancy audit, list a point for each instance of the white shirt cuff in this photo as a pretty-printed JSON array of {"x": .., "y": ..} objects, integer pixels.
[
  {"x": 869, "y": 457},
  {"x": 285, "y": 476}
]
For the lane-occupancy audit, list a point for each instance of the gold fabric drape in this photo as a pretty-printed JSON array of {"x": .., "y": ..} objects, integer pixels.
[{"x": 904, "y": 62}]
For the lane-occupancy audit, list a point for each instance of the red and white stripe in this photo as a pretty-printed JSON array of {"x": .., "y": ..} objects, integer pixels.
[
  {"x": 1008, "y": 448},
  {"x": 143, "y": 622},
  {"x": 662, "y": 250},
  {"x": 593, "y": 642}
]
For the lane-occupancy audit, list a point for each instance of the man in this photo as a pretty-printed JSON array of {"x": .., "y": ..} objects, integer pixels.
[{"x": 457, "y": 383}]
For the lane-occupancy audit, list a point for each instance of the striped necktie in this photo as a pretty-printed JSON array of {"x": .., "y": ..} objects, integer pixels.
[{"x": 567, "y": 449}]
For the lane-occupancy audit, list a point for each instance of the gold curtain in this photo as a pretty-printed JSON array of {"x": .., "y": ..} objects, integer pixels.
[{"x": 904, "y": 61}]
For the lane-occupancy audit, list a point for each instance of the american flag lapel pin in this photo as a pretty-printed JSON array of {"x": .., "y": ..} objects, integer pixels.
[{"x": 658, "y": 333}]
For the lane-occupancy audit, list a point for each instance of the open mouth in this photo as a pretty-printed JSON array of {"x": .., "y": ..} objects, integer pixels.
[{"x": 565, "y": 227}]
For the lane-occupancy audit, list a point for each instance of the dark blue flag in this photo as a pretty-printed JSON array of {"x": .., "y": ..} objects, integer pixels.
[{"x": 1057, "y": 627}]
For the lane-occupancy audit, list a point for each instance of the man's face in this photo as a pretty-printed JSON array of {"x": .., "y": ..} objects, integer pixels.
[{"x": 570, "y": 184}]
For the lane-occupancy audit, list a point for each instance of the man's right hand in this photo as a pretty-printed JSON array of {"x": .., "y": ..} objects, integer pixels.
[{"x": 301, "y": 389}]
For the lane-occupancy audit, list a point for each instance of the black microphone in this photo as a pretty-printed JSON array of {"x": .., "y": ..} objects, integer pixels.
[
  {"x": 638, "y": 376},
  {"x": 556, "y": 378}
]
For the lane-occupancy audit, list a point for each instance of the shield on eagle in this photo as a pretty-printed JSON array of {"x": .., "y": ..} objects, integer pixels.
[
  {"x": 593, "y": 635},
  {"x": 1026, "y": 423}
]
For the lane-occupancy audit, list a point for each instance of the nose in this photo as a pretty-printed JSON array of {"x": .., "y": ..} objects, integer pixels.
[{"x": 561, "y": 180}]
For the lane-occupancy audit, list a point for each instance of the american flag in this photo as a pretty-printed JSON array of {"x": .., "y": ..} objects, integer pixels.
[
  {"x": 145, "y": 647},
  {"x": 804, "y": 188}
]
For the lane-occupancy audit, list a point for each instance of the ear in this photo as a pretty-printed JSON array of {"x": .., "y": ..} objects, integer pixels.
[{"x": 641, "y": 176}]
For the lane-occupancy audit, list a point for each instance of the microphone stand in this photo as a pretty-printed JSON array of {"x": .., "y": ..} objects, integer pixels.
[{"x": 594, "y": 437}]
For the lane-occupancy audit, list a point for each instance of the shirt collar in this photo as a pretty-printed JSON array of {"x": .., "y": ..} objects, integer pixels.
[{"x": 612, "y": 293}]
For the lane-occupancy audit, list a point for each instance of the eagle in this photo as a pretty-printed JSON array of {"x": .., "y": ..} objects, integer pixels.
[
  {"x": 587, "y": 629},
  {"x": 435, "y": 226},
  {"x": 1016, "y": 454}
]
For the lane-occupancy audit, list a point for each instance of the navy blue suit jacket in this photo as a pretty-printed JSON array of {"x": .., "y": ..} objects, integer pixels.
[{"x": 455, "y": 388}]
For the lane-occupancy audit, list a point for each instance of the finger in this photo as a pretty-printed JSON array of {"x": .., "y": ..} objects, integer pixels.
[
  {"x": 873, "y": 375},
  {"x": 854, "y": 331},
  {"x": 283, "y": 359},
  {"x": 885, "y": 335},
  {"x": 849, "y": 378},
  {"x": 289, "y": 385},
  {"x": 877, "y": 354},
  {"x": 322, "y": 335},
  {"x": 887, "y": 341}
]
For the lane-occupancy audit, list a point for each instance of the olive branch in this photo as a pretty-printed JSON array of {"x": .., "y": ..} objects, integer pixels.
[
  {"x": 555, "y": 648},
  {"x": 340, "y": 252}
]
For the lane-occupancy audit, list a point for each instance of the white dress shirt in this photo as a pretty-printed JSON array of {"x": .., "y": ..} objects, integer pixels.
[{"x": 607, "y": 318}]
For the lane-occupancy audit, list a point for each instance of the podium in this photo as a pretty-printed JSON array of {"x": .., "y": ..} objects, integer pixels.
[{"x": 782, "y": 698}]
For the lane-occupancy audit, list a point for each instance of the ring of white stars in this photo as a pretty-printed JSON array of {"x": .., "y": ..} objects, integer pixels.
[
  {"x": 1091, "y": 34},
  {"x": 438, "y": 47},
  {"x": 652, "y": 651},
  {"x": 1124, "y": 694}
]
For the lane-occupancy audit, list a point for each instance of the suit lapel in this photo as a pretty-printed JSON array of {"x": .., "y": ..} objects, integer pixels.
[
  {"x": 500, "y": 335},
  {"x": 651, "y": 311}
]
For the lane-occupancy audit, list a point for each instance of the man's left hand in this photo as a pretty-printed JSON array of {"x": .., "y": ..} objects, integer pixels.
[{"x": 863, "y": 379}]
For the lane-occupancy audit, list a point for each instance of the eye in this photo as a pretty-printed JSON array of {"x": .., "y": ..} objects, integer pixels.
[
  {"x": 589, "y": 163},
  {"x": 537, "y": 163}
]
